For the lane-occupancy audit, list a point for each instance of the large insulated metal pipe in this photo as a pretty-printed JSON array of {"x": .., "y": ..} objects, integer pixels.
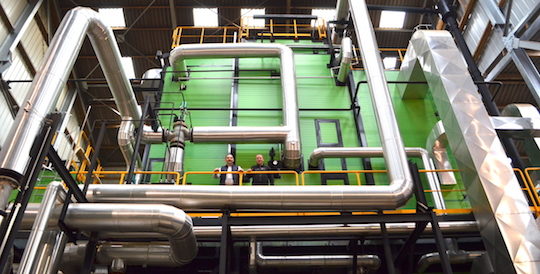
[
  {"x": 371, "y": 152},
  {"x": 345, "y": 57},
  {"x": 50, "y": 80},
  {"x": 216, "y": 197},
  {"x": 394, "y": 152},
  {"x": 125, "y": 218},
  {"x": 154, "y": 254},
  {"x": 436, "y": 145},
  {"x": 283, "y": 230},
  {"x": 292, "y": 146},
  {"x": 39, "y": 252},
  {"x": 258, "y": 259}
]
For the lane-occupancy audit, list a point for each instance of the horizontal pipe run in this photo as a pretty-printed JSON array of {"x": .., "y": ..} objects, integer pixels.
[
  {"x": 260, "y": 260},
  {"x": 456, "y": 257},
  {"x": 131, "y": 253},
  {"x": 217, "y": 197},
  {"x": 239, "y": 134},
  {"x": 267, "y": 231}
]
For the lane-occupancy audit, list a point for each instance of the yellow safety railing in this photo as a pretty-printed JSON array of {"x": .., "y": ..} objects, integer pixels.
[
  {"x": 241, "y": 174},
  {"x": 532, "y": 189},
  {"x": 400, "y": 52},
  {"x": 124, "y": 173},
  {"x": 222, "y": 32},
  {"x": 356, "y": 172}
]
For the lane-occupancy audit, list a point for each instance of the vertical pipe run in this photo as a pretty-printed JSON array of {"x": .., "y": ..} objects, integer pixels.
[
  {"x": 345, "y": 57},
  {"x": 394, "y": 152}
]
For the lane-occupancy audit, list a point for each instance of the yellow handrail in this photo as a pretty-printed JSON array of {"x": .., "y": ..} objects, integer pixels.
[
  {"x": 530, "y": 185},
  {"x": 240, "y": 173},
  {"x": 124, "y": 173}
]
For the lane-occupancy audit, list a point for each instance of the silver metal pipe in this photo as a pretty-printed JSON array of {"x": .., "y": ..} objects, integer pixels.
[
  {"x": 52, "y": 76},
  {"x": 371, "y": 152},
  {"x": 456, "y": 257},
  {"x": 292, "y": 145},
  {"x": 368, "y": 261},
  {"x": 436, "y": 145},
  {"x": 216, "y": 197},
  {"x": 38, "y": 251},
  {"x": 342, "y": 14},
  {"x": 131, "y": 253},
  {"x": 239, "y": 134},
  {"x": 163, "y": 219},
  {"x": 281, "y": 230},
  {"x": 174, "y": 159},
  {"x": 394, "y": 152},
  {"x": 345, "y": 57},
  {"x": 126, "y": 140}
]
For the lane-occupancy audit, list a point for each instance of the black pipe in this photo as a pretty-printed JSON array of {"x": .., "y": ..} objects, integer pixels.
[{"x": 448, "y": 15}]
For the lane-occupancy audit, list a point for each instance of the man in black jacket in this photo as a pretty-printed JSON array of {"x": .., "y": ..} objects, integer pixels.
[
  {"x": 228, "y": 178},
  {"x": 260, "y": 178}
]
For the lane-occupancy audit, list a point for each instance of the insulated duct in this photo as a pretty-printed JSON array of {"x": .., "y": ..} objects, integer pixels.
[
  {"x": 50, "y": 80},
  {"x": 371, "y": 152},
  {"x": 345, "y": 57},
  {"x": 436, "y": 145},
  {"x": 292, "y": 146},
  {"x": 509, "y": 230}
]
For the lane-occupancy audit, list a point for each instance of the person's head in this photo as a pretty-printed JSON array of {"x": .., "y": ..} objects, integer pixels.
[
  {"x": 229, "y": 159},
  {"x": 259, "y": 159}
]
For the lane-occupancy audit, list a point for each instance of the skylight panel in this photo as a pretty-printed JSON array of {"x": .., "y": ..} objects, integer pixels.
[
  {"x": 392, "y": 19},
  {"x": 323, "y": 16},
  {"x": 390, "y": 62},
  {"x": 248, "y": 14},
  {"x": 205, "y": 17},
  {"x": 127, "y": 64},
  {"x": 113, "y": 17}
]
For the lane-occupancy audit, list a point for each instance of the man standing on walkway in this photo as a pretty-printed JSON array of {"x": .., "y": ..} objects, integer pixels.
[
  {"x": 228, "y": 178},
  {"x": 260, "y": 178}
]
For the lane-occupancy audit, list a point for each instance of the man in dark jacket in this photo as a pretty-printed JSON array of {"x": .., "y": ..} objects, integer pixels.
[
  {"x": 260, "y": 178},
  {"x": 228, "y": 179}
]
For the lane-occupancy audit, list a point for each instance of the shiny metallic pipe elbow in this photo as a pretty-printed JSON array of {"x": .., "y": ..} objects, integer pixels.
[
  {"x": 52, "y": 76},
  {"x": 456, "y": 257},
  {"x": 436, "y": 145},
  {"x": 164, "y": 219},
  {"x": 292, "y": 144},
  {"x": 345, "y": 56},
  {"x": 256, "y": 256},
  {"x": 126, "y": 140}
]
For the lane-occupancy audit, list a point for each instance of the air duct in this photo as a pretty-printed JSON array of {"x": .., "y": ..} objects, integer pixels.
[
  {"x": 345, "y": 57},
  {"x": 436, "y": 145},
  {"x": 509, "y": 230},
  {"x": 371, "y": 152},
  {"x": 50, "y": 80},
  {"x": 292, "y": 146}
]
